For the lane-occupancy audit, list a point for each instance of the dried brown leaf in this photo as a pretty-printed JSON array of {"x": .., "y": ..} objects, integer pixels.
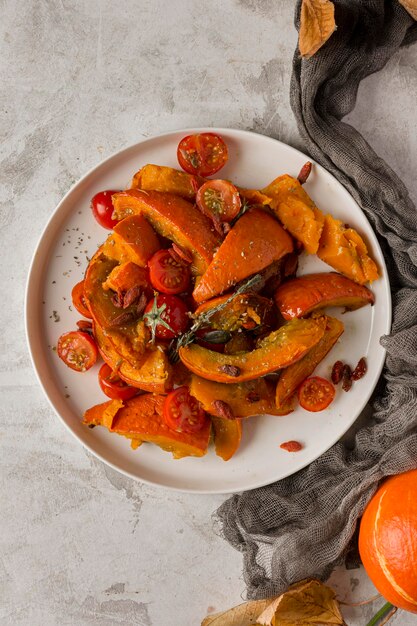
[
  {"x": 304, "y": 604},
  {"x": 316, "y": 25},
  {"x": 410, "y": 6},
  {"x": 242, "y": 615}
]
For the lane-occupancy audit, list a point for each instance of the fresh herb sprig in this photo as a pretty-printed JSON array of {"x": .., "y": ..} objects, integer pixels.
[
  {"x": 204, "y": 318},
  {"x": 154, "y": 318}
]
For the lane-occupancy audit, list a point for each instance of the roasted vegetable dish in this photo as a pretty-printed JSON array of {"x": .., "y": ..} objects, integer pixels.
[{"x": 194, "y": 303}]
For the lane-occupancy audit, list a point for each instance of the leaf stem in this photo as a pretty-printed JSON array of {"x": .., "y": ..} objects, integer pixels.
[{"x": 383, "y": 611}]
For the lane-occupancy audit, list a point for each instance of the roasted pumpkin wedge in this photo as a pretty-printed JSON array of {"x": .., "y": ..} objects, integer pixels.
[
  {"x": 227, "y": 436},
  {"x": 153, "y": 371},
  {"x": 141, "y": 419},
  {"x": 253, "y": 397},
  {"x": 296, "y": 211},
  {"x": 254, "y": 242},
  {"x": 344, "y": 249},
  {"x": 293, "y": 375},
  {"x": 127, "y": 276},
  {"x": 277, "y": 350},
  {"x": 133, "y": 239},
  {"x": 300, "y": 296},
  {"x": 121, "y": 325},
  {"x": 167, "y": 179},
  {"x": 175, "y": 218},
  {"x": 246, "y": 310}
]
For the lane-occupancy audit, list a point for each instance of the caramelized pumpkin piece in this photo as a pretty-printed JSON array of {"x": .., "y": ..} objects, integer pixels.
[
  {"x": 300, "y": 296},
  {"x": 254, "y": 242},
  {"x": 167, "y": 179},
  {"x": 133, "y": 239},
  {"x": 153, "y": 371},
  {"x": 128, "y": 340},
  {"x": 246, "y": 310},
  {"x": 126, "y": 276},
  {"x": 344, "y": 250},
  {"x": 296, "y": 211},
  {"x": 293, "y": 376},
  {"x": 227, "y": 436},
  {"x": 175, "y": 218},
  {"x": 253, "y": 397},
  {"x": 141, "y": 419},
  {"x": 277, "y": 350}
]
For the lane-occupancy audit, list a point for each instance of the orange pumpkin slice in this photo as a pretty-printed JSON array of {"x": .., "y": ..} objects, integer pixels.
[
  {"x": 254, "y": 242},
  {"x": 253, "y": 397},
  {"x": 277, "y": 350},
  {"x": 296, "y": 211},
  {"x": 167, "y": 179},
  {"x": 344, "y": 250},
  {"x": 141, "y": 419},
  {"x": 227, "y": 436},
  {"x": 175, "y": 218},
  {"x": 133, "y": 239},
  {"x": 293, "y": 375}
]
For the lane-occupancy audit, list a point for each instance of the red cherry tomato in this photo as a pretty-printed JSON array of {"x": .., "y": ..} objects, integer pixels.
[
  {"x": 171, "y": 310},
  {"x": 78, "y": 350},
  {"x": 315, "y": 394},
  {"x": 219, "y": 200},
  {"x": 168, "y": 274},
  {"x": 113, "y": 386},
  {"x": 102, "y": 207},
  {"x": 203, "y": 154},
  {"x": 182, "y": 412},
  {"x": 78, "y": 300}
]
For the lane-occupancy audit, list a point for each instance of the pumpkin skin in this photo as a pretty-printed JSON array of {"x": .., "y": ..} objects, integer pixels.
[
  {"x": 388, "y": 540},
  {"x": 175, "y": 218},
  {"x": 277, "y": 350},
  {"x": 302, "y": 295}
]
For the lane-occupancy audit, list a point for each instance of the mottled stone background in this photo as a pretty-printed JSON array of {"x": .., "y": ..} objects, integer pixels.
[{"x": 81, "y": 544}]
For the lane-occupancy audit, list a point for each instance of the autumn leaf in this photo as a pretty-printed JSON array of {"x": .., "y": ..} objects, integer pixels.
[
  {"x": 307, "y": 603},
  {"x": 304, "y": 604},
  {"x": 410, "y": 6},
  {"x": 316, "y": 25},
  {"x": 242, "y": 615}
]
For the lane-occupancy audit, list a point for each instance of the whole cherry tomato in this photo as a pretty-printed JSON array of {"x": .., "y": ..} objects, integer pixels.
[
  {"x": 203, "y": 154},
  {"x": 166, "y": 316},
  {"x": 78, "y": 300},
  {"x": 102, "y": 207},
  {"x": 182, "y": 412},
  {"x": 315, "y": 394},
  {"x": 78, "y": 350},
  {"x": 167, "y": 274},
  {"x": 219, "y": 200},
  {"x": 113, "y": 386}
]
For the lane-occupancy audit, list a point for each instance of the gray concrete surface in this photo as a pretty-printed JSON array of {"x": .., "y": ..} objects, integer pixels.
[{"x": 81, "y": 544}]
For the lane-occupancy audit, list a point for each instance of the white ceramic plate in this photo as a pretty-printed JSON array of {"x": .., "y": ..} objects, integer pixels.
[{"x": 72, "y": 235}]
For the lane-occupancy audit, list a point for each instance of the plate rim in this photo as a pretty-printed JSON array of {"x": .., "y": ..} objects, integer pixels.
[{"x": 32, "y": 269}]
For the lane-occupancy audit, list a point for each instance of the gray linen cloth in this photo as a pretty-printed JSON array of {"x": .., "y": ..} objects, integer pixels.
[{"x": 302, "y": 526}]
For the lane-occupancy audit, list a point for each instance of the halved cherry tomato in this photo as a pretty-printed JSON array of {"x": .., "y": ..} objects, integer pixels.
[
  {"x": 78, "y": 300},
  {"x": 168, "y": 274},
  {"x": 182, "y": 412},
  {"x": 169, "y": 309},
  {"x": 315, "y": 394},
  {"x": 78, "y": 350},
  {"x": 113, "y": 386},
  {"x": 102, "y": 207},
  {"x": 219, "y": 200},
  {"x": 203, "y": 154}
]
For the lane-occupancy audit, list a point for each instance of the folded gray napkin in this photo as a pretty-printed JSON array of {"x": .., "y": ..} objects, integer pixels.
[{"x": 301, "y": 526}]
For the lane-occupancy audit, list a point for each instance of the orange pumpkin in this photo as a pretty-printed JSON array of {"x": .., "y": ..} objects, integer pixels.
[{"x": 388, "y": 540}]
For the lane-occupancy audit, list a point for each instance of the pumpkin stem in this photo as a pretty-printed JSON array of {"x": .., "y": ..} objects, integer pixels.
[{"x": 387, "y": 610}]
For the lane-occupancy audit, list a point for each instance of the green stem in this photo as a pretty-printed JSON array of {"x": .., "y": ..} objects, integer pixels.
[{"x": 381, "y": 613}]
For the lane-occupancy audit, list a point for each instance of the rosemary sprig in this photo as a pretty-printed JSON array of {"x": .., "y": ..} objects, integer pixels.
[
  {"x": 188, "y": 337},
  {"x": 154, "y": 318}
]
